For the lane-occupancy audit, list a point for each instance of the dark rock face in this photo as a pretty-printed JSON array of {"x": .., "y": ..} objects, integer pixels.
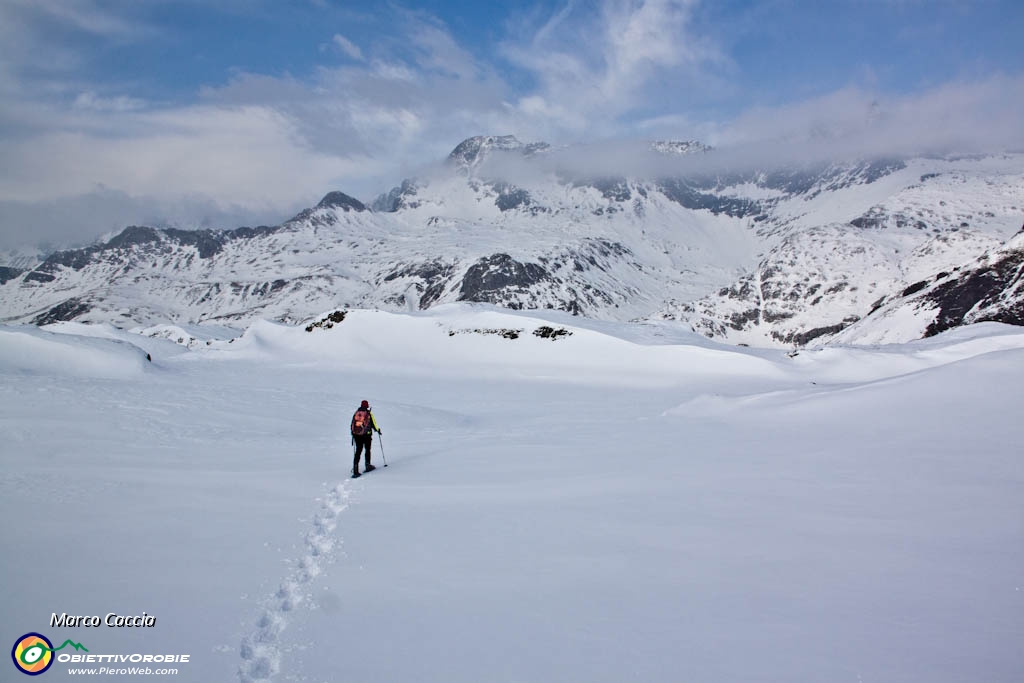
[
  {"x": 880, "y": 168},
  {"x": 8, "y": 273},
  {"x": 327, "y": 322},
  {"x": 810, "y": 180},
  {"x": 434, "y": 277},
  {"x": 68, "y": 310},
  {"x": 914, "y": 288},
  {"x": 486, "y": 279},
  {"x": 340, "y": 200},
  {"x": 207, "y": 242},
  {"x": 803, "y": 338},
  {"x": 548, "y": 332},
  {"x": 684, "y": 194},
  {"x": 511, "y": 197},
  {"x": 249, "y": 233},
  {"x": 76, "y": 259},
  {"x": 39, "y": 276},
  {"x": 991, "y": 292},
  {"x": 260, "y": 288},
  {"x": 133, "y": 235},
  {"x": 615, "y": 189},
  {"x": 741, "y": 320}
]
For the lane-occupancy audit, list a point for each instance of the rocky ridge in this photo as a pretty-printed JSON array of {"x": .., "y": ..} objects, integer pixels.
[{"x": 788, "y": 256}]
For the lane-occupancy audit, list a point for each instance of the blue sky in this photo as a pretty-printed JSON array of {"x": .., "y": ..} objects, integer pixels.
[{"x": 242, "y": 111}]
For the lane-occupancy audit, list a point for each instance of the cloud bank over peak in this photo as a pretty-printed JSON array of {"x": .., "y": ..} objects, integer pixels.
[
  {"x": 381, "y": 94},
  {"x": 978, "y": 116}
]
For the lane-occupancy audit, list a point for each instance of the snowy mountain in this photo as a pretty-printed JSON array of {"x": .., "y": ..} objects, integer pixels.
[
  {"x": 831, "y": 262},
  {"x": 472, "y": 152},
  {"x": 816, "y": 282},
  {"x": 779, "y": 256},
  {"x": 14, "y": 263},
  {"x": 991, "y": 288}
]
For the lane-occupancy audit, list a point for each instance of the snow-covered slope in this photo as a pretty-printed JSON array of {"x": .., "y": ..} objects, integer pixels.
[
  {"x": 990, "y": 288},
  {"x": 21, "y": 259},
  {"x": 820, "y": 277},
  {"x": 625, "y": 502},
  {"x": 30, "y": 352},
  {"x": 14, "y": 263},
  {"x": 778, "y": 256}
]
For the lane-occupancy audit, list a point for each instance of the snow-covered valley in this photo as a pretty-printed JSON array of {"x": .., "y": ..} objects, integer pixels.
[{"x": 625, "y": 502}]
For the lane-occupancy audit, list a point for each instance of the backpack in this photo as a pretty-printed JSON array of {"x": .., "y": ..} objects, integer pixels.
[{"x": 361, "y": 422}]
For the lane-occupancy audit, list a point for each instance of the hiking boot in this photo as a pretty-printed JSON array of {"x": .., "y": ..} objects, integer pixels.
[
  {"x": 370, "y": 468},
  {"x": 355, "y": 474}
]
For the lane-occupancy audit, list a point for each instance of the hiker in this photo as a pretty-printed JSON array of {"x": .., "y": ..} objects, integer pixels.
[{"x": 363, "y": 426}]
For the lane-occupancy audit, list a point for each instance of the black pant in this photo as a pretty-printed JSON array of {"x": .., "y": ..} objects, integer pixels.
[{"x": 364, "y": 441}]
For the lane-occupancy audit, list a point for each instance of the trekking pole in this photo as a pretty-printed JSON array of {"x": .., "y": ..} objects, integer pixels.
[{"x": 382, "y": 449}]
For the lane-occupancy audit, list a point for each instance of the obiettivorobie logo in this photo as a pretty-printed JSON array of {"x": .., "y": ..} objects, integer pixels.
[{"x": 33, "y": 653}]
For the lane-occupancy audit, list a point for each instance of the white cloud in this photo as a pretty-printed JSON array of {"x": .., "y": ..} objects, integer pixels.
[
  {"x": 437, "y": 51},
  {"x": 592, "y": 70},
  {"x": 262, "y": 144},
  {"x": 644, "y": 37},
  {"x": 265, "y": 140},
  {"x": 348, "y": 47},
  {"x": 973, "y": 116},
  {"x": 83, "y": 15},
  {"x": 78, "y": 220},
  {"x": 392, "y": 71},
  {"x": 248, "y": 155},
  {"x": 92, "y": 101},
  {"x": 28, "y": 29}
]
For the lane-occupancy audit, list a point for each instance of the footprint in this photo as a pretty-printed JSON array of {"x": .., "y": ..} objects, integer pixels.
[{"x": 261, "y": 649}]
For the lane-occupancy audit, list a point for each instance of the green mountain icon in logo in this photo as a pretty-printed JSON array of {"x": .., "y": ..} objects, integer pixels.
[{"x": 39, "y": 646}]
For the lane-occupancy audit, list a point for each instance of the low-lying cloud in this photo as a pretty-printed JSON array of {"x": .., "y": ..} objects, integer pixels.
[
  {"x": 979, "y": 116},
  {"x": 847, "y": 126},
  {"x": 78, "y": 220}
]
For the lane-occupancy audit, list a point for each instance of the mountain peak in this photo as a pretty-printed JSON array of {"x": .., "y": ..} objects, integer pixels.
[
  {"x": 340, "y": 200},
  {"x": 472, "y": 151}
]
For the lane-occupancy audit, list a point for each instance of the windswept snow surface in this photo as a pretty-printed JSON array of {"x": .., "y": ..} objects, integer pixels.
[{"x": 628, "y": 502}]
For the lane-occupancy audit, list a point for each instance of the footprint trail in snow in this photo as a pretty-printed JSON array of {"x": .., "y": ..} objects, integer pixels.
[{"x": 261, "y": 649}]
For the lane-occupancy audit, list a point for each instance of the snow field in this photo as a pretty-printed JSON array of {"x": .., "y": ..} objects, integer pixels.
[
  {"x": 29, "y": 351},
  {"x": 614, "y": 505}
]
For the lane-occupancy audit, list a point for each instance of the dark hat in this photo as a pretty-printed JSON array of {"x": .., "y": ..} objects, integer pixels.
[{"x": 364, "y": 404}]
